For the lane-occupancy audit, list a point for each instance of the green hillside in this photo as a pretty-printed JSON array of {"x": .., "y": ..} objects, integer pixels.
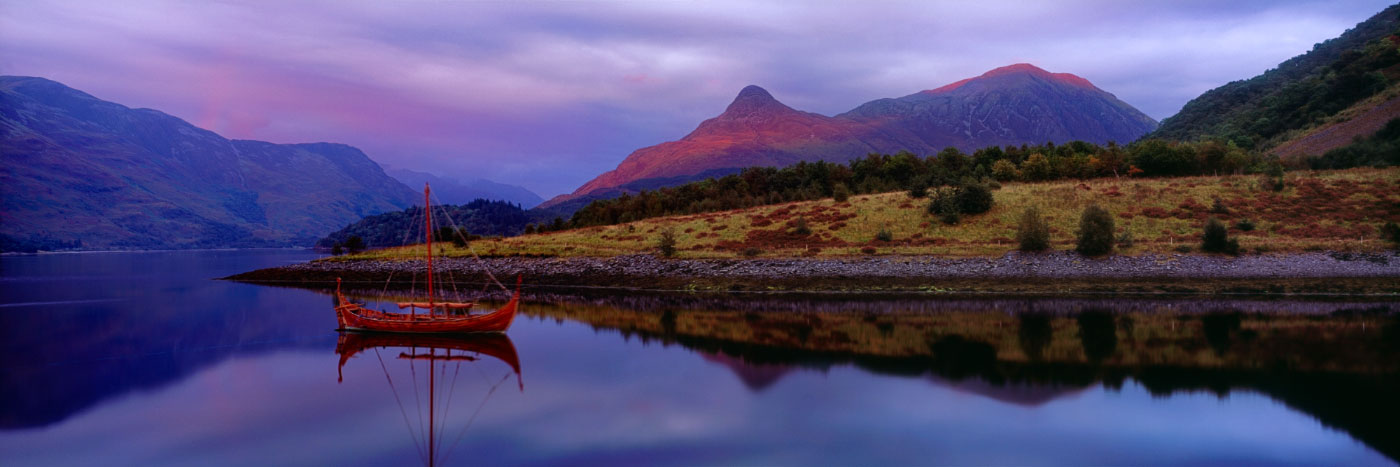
[{"x": 1263, "y": 111}]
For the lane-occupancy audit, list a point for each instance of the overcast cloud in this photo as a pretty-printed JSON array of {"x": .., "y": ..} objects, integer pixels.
[{"x": 548, "y": 94}]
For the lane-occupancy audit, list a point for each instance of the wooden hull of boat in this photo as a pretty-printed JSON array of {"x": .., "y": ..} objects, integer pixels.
[{"x": 355, "y": 317}]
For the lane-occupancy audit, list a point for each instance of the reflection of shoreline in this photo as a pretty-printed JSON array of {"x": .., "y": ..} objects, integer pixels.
[
  {"x": 1056, "y": 273},
  {"x": 1337, "y": 367}
]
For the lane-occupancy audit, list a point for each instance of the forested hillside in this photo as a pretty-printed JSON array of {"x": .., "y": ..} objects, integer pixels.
[
  {"x": 480, "y": 217},
  {"x": 1263, "y": 111}
]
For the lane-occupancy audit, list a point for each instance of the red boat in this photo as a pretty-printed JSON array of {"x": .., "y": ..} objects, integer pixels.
[{"x": 440, "y": 316}]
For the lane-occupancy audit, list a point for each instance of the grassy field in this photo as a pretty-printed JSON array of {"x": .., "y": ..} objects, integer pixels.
[{"x": 1332, "y": 210}]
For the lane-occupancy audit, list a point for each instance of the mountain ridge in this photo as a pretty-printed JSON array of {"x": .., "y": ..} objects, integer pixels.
[
  {"x": 82, "y": 172},
  {"x": 1010, "y": 105}
]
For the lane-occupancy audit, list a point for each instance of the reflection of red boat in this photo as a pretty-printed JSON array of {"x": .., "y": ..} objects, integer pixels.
[
  {"x": 495, "y": 345},
  {"x": 438, "y": 352},
  {"x": 440, "y": 317}
]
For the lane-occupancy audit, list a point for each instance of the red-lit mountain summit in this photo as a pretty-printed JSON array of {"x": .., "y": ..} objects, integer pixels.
[{"x": 1012, "y": 105}]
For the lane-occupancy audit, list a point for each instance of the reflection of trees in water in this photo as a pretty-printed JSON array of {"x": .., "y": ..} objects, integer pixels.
[
  {"x": 1217, "y": 326},
  {"x": 1338, "y": 366},
  {"x": 1034, "y": 334},
  {"x": 1097, "y": 333}
]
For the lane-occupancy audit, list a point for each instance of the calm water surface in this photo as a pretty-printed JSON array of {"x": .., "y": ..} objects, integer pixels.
[{"x": 142, "y": 359}]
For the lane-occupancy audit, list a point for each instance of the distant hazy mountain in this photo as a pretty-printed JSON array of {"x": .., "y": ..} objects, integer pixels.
[
  {"x": 1343, "y": 88},
  {"x": 82, "y": 172},
  {"x": 453, "y": 191},
  {"x": 1013, "y": 105}
]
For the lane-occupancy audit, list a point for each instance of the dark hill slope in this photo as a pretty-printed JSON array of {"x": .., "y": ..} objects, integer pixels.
[{"x": 82, "y": 172}]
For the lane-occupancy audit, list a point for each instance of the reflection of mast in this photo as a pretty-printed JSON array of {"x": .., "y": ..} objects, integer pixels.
[{"x": 471, "y": 347}]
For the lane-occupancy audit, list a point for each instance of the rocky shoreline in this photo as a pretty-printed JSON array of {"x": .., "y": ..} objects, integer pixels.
[{"x": 1053, "y": 273}]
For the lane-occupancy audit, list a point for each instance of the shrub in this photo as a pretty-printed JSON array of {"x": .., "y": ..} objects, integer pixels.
[
  {"x": 1219, "y": 207},
  {"x": 949, "y": 217},
  {"x": 337, "y": 250},
  {"x": 752, "y": 252},
  {"x": 1391, "y": 232},
  {"x": 973, "y": 198},
  {"x": 840, "y": 193},
  {"x": 870, "y": 250},
  {"x": 1215, "y": 239},
  {"x": 1273, "y": 177},
  {"x": 666, "y": 243},
  {"x": 1183, "y": 248},
  {"x": 884, "y": 235},
  {"x": 460, "y": 237},
  {"x": 1125, "y": 239},
  {"x": 944, "y": 205},
  {"x": 1245, "y": 225},
  {"x": 801, "y": 227},
  {"x": 1033, "y": 233},
  {"x": 918, "y": 188},
  {"x": 1095, "y": 232}
]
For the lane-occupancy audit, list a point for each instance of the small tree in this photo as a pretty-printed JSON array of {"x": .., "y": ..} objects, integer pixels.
[
  {"x": 1036, "y": 168},
  {"x": 1004, "y": 171},
  {"x": 1095, "y": 232},
  {"x": 337, "y": 250},
  {"x": 840, "y": 193},
  {"x": 666, "y": 243},
  {"x": 884, "y": 235},
  {"x": 1033, "y": 233},
  {"x": 355, "y": 244},
  {"x": 1215, "y": 239}
]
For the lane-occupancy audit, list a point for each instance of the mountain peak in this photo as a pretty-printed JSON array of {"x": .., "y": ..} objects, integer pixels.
[
  {"x": 753, "y": 100},
  {"x": 1020, "y": 69},
  {"x": 753, "y": 91}
]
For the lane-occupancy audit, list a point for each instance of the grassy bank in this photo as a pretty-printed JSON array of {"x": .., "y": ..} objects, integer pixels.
[{"x": 1332, "y": 210}]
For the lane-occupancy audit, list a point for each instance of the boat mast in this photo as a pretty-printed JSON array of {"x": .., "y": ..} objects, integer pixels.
[{"x": 428, "y": 232}]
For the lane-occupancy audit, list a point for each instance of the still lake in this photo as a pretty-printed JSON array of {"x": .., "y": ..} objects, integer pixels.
[{"x": 144, "y": 359}]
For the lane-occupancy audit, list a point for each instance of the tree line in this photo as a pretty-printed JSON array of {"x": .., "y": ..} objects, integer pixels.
[
  {"x": 477, "y": 218},
  {"x": 879, "y": 173}
]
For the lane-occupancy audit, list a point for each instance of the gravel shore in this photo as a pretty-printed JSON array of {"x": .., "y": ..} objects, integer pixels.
[{"x": 1313, "y": 271}]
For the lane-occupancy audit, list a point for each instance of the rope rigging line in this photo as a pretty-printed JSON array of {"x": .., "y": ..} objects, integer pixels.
[
  {"x": 417, "y": 401},
  {"x": 403, "y": 241},
  {"x": 403, "y": 412},
  {"x": 458, "y": 231},
  {"x": 451, "y": 278},
  {"x": 472, "y": 420}
]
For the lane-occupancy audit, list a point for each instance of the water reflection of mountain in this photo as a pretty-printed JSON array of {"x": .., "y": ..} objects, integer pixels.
[
  {"x": 60, "y": 362},
  {"x": 1333, "y": 361}
]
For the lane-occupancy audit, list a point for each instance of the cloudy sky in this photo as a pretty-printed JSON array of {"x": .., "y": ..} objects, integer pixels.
[{"x": 547, "y": 94}]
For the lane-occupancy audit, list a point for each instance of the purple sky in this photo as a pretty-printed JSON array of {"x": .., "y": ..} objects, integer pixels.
[{"x": 548, "y": 94}]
